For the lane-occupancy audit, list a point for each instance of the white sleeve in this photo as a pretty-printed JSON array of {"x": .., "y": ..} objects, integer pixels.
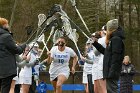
[
  {"x": 72, "y": 53},
  {"x": 102, "y": 41}
]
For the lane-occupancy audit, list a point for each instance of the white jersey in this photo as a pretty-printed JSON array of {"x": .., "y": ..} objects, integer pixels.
[
  {"x": 36, "y": 67},
  {"x": 102, "y": 41},
  {"x": 88, "y": 67},
  {"x": 60, "y": 63},
  {"x": 97, "y": 69},
  {"x": 27, "y": 71},
  {"x": 101, "y": 56}
]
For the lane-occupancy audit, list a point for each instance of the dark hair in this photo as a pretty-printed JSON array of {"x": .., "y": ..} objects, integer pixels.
[
  {"x": 62, "y": 37},
  {"x": 97, "y": 35}
]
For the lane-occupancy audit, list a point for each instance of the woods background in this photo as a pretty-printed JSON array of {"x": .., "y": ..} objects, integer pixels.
[{"x": 23, "y": 14}]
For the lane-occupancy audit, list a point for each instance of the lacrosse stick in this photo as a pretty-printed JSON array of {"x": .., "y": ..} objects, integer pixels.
[
  {"x": 42, "y": 39},
  {"x": 67, "y": 26},
  {"x": 45, "y": 43},
  {"x": 74, "y": 5},
  {"x": 52, "y": 30},
  {"x": 68, "y": 29},
  {"x": 80, "y": 29},
  {"x": 41, "y": 27},
  {"x": 46, "y": 23},
  {"x": 41, "y": 19},
  {"x": 46, "y": 28},
  {"x": 65, "y": 15},
  {"x": 36, "y": 77},
  {"x": 49, "y": 21}
]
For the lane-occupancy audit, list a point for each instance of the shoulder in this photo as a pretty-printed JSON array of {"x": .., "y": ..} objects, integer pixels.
[
  {"x": 5, "y": 35},
  {"x": 68, "y": 48},
  {"x": 116, "y": 39}
]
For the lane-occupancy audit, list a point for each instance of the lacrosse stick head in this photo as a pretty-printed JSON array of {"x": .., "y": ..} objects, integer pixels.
[
  {"x": 41, "y": 18},
  {"x": 33, "y": 44},
  {"x": 41, "y": 38},
  {"x": 55, "y": 8},
  {"x": 42, "y": 87},
  {"x": 73, "y": 35},
  {"x": 73, "y": 2}
]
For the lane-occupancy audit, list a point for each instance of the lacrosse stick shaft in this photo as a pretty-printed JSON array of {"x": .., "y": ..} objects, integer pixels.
[
  {"x": 77, "y": 48},
  {"x": 53, "y": 27},
  {"x": 45, "y": 46},
  {"x": 74, "y": 5},
  {"x": 36, "y": 40},
  {"x": 80, "y": 29},
  {"x": 37, "y": 82},
  {"x": 75, "y": 44},
  {"x": 81, "y": 18},
  {"x": 51, "y": 33},
  {"x": 42, "y": 52},
  {"x": 39, "y": 28}
]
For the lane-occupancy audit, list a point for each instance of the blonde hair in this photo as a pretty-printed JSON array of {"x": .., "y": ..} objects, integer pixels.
[
  {"x": 108, "y": 36},
  {"x": 112, "y": 26},
  {"x": 129, "y": 61}
]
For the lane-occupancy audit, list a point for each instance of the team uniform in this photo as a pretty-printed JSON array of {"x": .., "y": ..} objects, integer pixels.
[
  {"x": 97, "y": 68},
  {"x": 60, "y": 63},
  {"x": 25, "y": 75},
  {"x": 88, "y": 67}
]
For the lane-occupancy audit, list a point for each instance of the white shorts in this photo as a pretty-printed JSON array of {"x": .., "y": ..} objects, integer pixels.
[
  {"x": 53, "y": 76},
  {"x": 85, "y": 79},
  {"x": 25, "y": 80},
  {"x": 16, "y": 78},
  {"x": 97, "y": 75}
]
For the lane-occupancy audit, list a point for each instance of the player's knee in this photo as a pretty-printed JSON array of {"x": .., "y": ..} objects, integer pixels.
[{"x": 59, "y": 85}]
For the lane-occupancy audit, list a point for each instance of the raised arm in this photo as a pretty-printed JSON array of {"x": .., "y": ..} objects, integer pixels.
[{"x": 99, "y": 47}]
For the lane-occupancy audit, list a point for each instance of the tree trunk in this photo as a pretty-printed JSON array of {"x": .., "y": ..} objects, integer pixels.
[
  {"x": 121, "y": 13},
  {"x": 138, "y": 14},
  {"x": 130, "y": 28},
  {"x": 13, "y": 13}
]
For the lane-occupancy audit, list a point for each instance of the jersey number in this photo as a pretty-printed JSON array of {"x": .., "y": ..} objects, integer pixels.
[{"x": 61, "y": 61}]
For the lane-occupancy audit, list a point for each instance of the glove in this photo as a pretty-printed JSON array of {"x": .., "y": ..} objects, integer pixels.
[
  {"x": 91, "y": 40},
  {"x": 80, "y": 62},
  {"x": 37, "y": 61},
  {"x": 42, "y": 68}
]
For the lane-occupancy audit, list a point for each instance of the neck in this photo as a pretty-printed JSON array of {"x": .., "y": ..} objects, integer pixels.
[{"x": 61, "y": 48}]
